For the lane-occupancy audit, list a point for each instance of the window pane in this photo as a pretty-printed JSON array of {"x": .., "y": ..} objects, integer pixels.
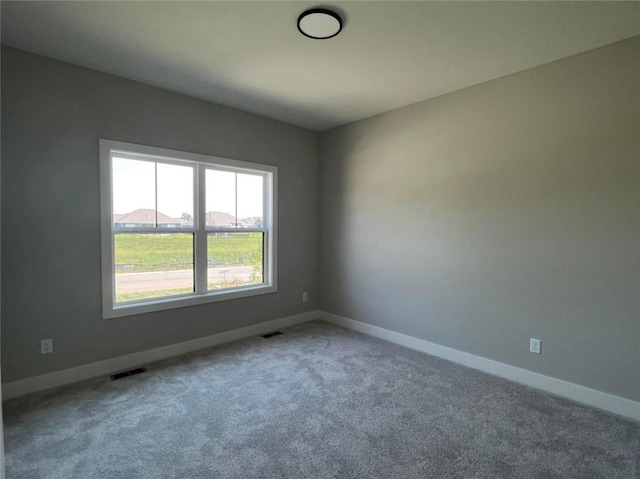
[
  {"x": 175, "y": 195},
  {"x": 134, "y": 197},
  {"x": 235, "y": 259},
  {"x": 250, "y": 200},
  {"x": 153, "y": 265},
  {"x": 221, "y": 198}
]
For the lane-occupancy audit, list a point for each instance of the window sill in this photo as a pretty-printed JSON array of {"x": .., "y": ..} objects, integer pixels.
[{"x": 130, "y": 309}]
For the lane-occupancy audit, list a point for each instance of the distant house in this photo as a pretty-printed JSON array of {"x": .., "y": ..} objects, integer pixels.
[
  {"x": 146, "y": 217},
  {"x": 117, "y": 217},
  {"x": 218, "y": 218},
  {"x": 251, "y": 222}
]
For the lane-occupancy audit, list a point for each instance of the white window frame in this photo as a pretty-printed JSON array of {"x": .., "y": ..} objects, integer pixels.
[{"x": 200, "y": 230}]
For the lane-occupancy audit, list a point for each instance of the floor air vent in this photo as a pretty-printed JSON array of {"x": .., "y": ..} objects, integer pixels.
[
  {"x": 124, "y": 374},
  {"x": 270, "y": 335}
]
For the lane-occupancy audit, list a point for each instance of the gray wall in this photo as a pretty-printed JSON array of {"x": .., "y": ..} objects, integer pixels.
[
  {"x": 2, "y": 472},
  {"x": 53, "y": 114},
  {"x": 505, "y": 211},
  {"x": 475, "y": 220}
]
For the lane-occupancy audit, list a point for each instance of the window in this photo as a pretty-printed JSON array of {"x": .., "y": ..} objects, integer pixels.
[{"x": 180, "y": 229}]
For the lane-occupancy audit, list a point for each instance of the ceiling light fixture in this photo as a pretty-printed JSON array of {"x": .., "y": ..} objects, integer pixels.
[{"x": 319, "y": 23}]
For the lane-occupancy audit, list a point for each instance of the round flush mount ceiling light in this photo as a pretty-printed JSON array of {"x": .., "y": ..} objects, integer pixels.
[{"x": 319, "y": 23}]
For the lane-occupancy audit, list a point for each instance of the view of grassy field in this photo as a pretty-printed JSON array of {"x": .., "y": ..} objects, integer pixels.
[
  {"x": 234, "y": 259},
  {"x": 153, "y": 252}
]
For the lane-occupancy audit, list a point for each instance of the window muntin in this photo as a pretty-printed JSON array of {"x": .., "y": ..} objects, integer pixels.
[{"x": 182, "y": 229}]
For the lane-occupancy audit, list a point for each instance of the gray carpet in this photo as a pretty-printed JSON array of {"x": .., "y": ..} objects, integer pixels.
[{"x": 317, "y": 402}]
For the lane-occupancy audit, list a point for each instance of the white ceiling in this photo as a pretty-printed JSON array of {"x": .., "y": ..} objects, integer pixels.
[{"x": 249, "y": 55}]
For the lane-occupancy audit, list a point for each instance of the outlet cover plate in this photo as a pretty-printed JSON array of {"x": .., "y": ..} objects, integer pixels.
[
  {"x": 46, "y": 346},
  {"x": 535, "y": 346}
]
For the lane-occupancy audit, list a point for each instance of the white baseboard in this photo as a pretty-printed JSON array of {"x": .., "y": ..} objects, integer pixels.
[
  {"x": 590, "y": 397},
  {"x": 72, "y": 375}
]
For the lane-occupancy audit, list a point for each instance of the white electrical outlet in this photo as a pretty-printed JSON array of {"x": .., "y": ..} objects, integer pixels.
[
  {"x": 535, "y": 346},
  {"x": 46, "y": 346},
  {"x": 305, "y": 297}
]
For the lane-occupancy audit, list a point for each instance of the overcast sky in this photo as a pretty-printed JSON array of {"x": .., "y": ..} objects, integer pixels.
[{"x": 134, "y": 186}]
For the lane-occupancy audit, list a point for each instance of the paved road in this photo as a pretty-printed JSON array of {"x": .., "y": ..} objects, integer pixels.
[{"x": 165, "y": 280}]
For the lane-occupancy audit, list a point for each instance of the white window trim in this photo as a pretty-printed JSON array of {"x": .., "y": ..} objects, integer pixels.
[{"x": 270, "y": 273}]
